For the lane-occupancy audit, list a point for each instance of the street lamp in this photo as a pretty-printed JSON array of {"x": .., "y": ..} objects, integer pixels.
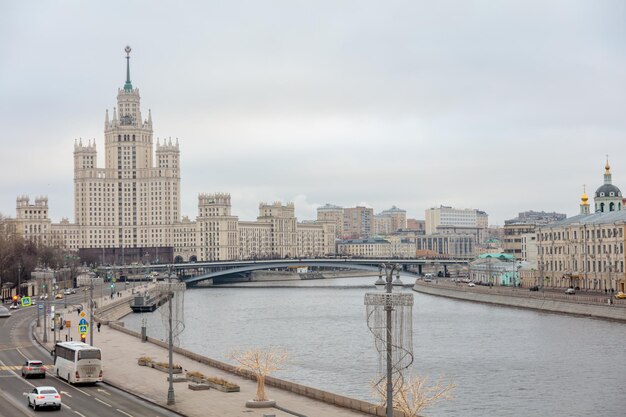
[
  {"x": 174, "y": 290},
  {"x": 394, "y": 343}
]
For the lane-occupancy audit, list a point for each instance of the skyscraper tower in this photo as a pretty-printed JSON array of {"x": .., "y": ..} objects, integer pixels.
[{"x": 130, "y": 203}]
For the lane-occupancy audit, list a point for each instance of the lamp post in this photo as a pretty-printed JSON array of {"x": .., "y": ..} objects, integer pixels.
[
  {"x": 170, "y": 390},
  {"x": 391, "y": 304},
  {"x": 19, "y": 279}
]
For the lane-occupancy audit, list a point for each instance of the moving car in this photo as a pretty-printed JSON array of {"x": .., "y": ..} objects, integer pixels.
[
  {"x": 58, "y": 296},
  {"x": 4, "y": 312},
  {"x": 620, "y": 295},
  {"x": 33, "y": 368},
  {"x": 471, "y": 284},
  {"x": 43, "y": 297},
  {"x": 69, "y": 291},
  {"x": 570, "y": 291},
  {"x": 44, "y": 397}
]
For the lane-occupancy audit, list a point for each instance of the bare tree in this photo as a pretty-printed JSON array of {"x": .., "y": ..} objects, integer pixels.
[
  {"x": 414, "y": 395},
  {"x": 261, "y": 363}
]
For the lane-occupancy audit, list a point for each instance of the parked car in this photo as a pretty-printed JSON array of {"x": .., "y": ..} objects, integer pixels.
[
  {"x": 620, "y": 295},
  {"x": 69, "y": 291},
  {"x": 58, "y": 296},
  {"x": 570, "y": 291},
  {"x": 44, "y": 397},
  {"x": 33, "y": 368},
  {"x": 471, "y": 284},
  {"x": 534, "y": 288}
]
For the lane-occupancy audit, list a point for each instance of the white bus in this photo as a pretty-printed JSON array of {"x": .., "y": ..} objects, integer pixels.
[{"x": 78, "y": 362}]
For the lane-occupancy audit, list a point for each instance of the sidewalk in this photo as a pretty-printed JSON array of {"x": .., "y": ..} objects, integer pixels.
[{"x": 120, "y": 353}]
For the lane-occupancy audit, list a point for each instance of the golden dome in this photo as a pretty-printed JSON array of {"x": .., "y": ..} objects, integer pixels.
[
  {"x": 607, "y": 167},
  {"x": 584, "y": 198}
]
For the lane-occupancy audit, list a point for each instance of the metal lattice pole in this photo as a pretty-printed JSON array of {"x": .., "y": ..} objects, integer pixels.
[{"x": 393, "y": 342}]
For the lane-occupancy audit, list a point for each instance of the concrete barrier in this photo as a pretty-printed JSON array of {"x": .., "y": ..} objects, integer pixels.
[{"x": 610, "y": 312}]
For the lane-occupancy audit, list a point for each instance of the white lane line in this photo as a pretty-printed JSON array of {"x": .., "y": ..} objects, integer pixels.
[
  {"x": 103, "y": 402},
  {"x": 102, "y": 390},
  {"x": 82, "y": 415},
  {"x": 123, "y": 412},
  {"x": 79, "y": 390}
]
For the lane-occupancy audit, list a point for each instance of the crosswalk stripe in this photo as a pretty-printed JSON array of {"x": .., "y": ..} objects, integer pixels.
[{"x": 10, "y": 368}]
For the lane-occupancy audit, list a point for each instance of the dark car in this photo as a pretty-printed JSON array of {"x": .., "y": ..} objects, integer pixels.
[{"x": 534, "y": 288}]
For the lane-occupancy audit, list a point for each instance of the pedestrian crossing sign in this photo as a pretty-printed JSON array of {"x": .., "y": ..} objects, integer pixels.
[
  {"x": 82, "y": 328},
  {"x": 26, "y": 301}
]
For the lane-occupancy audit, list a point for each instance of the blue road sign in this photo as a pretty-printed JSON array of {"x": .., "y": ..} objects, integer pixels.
[
  {"x": 82, "y": 328},
  {"x": 40, "y": 306},
  {"x": 82, "y": 322}
]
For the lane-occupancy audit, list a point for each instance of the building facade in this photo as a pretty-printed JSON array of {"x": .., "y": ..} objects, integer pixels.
[
  {"x": 129, "y": 210},
  {"x": 357, "y": 222}
]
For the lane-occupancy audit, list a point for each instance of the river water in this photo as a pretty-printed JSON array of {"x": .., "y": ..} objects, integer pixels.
[{"x": 503, "y": 361}]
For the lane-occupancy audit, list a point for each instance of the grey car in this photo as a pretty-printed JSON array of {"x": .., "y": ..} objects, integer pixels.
[{"x": 33, "y": 368}]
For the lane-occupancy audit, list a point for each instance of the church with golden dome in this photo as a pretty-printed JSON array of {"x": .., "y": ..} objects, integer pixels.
[{"x": 608, "y": 197}]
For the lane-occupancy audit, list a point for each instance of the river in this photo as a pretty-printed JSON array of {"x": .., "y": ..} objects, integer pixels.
[{"x": 503, "y": 361}]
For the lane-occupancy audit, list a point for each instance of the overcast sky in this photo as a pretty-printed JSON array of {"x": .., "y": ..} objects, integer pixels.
[{"x": 504, "y": 106}]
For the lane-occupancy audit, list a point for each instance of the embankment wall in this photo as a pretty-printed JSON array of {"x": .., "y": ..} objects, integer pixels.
[{"x": 611, "y": 312}]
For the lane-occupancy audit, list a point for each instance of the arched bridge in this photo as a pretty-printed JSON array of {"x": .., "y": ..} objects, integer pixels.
[{"x": 193, "y": 273}]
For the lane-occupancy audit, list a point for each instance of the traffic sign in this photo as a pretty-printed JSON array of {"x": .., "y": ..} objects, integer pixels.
[
  {"x": 82, "y": 328},
  {"x": 82, "y": 321},
  {"x": 82, "y": 314},
  {"x": 26, "y": 301},
  {"x": 40, "y": 306}
]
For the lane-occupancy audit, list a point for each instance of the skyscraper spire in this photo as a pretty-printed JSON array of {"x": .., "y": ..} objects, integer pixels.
[{"x": 128, "y": 86}]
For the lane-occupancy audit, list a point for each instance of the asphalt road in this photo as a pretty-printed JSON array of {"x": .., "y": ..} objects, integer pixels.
[{"x": 100, "y": 400}]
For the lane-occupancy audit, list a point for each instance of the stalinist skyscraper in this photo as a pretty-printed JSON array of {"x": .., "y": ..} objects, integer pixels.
[
  {"x": 131, "y": 204},
  {"x": 129, "y": 211}
]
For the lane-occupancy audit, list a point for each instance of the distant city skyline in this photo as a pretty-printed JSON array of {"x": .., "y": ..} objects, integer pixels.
[{"x": 501, "y": 107}]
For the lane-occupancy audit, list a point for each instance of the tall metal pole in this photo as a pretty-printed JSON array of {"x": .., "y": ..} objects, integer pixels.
[
  {"x": 388, "y": 309},
  {"x": 45, "y": 307},
  {"x": 91, "y": 312},
  {"x": 170, "y": 390}
]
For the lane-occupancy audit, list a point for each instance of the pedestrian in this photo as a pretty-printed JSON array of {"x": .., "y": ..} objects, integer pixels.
[{"x": 99, "y": 324}]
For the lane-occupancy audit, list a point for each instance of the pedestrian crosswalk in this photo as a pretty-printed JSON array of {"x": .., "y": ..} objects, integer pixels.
[{"x": 10, "y": 367}]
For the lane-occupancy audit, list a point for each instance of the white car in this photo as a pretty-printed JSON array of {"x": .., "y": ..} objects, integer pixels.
[
  {"x": 471, "y": 284},
  {"x": 44, "y": 397}
]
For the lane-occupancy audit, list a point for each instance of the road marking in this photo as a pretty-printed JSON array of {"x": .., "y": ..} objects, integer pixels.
[
  {"x": 10, "y": 368},
  {"x": 103, "y": 402},
  {"x": 82, "y": 415},
  {"x": 123, "y": 412},
  {"x": 102, "y": 390},
  {"x": 65, "y": 393}
]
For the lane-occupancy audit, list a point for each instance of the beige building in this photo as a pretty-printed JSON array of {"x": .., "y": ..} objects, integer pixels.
[
  {"x": 129, "y": 210},
  {"x": 332, "y": 213},
  {"x": 31, "y": 220},
  {"x": 585, "y": 251},
  {"x": 389, "y": 221},
  {"x": 357, "y": 222},
  {"x": 365, "y": 248}
]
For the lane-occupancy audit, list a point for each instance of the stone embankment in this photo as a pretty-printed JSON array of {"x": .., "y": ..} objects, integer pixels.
[
  {"x": 521, "y": 298},
  {"x": 112, "y": 312}
]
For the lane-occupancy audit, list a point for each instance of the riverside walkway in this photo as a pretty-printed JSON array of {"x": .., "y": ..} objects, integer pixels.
[{"x": 120, "y": 353}]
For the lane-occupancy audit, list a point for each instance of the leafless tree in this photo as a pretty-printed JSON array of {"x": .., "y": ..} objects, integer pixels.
[
  {"x": 261, "y": 363},
  {"x": 415, "y": 394}
]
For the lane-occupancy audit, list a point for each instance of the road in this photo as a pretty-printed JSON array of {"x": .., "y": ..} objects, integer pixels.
[{"x": 101, "y": 400}]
